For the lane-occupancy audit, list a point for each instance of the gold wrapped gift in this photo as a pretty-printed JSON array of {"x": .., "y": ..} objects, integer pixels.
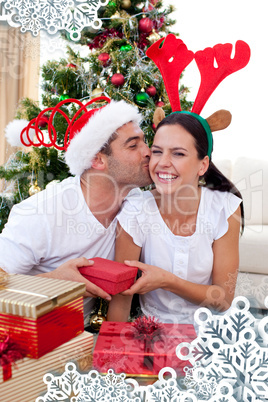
[
  {"x": 40, "y": 313},
  {"x": 34, "y": 296},
  {"x": 26, "y": 381}
]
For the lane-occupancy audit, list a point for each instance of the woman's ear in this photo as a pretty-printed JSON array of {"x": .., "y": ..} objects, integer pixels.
[
  {"x": 204, "y": 166},
  {"x": 99, "y": 162}
]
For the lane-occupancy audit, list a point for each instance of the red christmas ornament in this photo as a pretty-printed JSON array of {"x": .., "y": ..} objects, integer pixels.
[
  {"x": 146, "y": 25},
  {"x": 151, "y": 90},
  {"x": 118, "y": 79},
  {"x": 154, "y": 127},
  {"x": 154, "y": 2},
  {"x": 43, "y": 121},
  {"x": 148, "y": 8},
  {"x": 104, "y": 58},
  {"x": 159, "y": 104},
  {"x": 71, "y": 65}
]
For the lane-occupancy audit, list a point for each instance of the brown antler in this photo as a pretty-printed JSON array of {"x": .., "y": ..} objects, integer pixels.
[
  {"x": 212, "y": 76},
  {"x": 171, "y": 57}
]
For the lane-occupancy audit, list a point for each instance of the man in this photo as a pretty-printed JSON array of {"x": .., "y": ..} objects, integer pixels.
[{"x": 56, "y": 231}]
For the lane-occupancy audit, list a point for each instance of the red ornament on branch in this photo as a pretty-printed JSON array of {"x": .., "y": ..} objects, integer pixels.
[
  {"x": 147, "y": 8},
  {"x": 71, "y": 65},
  {"x": 104, "y": 58},
  {"x": 151, "y": 90},
  {"x": 118, "y": 79},
  {"x": 43, "y": 121},
  {"x": 159, "y": 104},
  {"x": 146, "y": 25}
]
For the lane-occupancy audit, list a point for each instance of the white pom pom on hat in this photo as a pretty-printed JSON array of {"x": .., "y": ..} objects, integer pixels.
[
  {"x": 95, "y": 133},
  {"x": 13, "y": 131}
]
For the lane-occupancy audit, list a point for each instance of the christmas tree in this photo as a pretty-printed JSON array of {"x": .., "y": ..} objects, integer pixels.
[{"x": 116, "y": 66}]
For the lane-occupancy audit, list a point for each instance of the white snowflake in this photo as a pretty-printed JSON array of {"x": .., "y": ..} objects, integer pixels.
[
  {"x": 229, "y": 363},
  {"x": 232, "y": 348},
  {"x": 53, "y": 16}
]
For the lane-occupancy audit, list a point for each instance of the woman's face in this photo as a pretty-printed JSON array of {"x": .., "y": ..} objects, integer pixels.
[{"x": 174, "y": 163}]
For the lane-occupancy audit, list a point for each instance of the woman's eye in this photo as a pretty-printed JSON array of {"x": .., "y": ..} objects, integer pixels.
[
  {"x": 179, "y": 154},
  {"x": 156, "y": 152}
]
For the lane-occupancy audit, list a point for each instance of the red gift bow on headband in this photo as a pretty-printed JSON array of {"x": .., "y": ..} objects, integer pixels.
[
  {"x": 39, "y": 139},
  {"x": 172, "y": 56}
]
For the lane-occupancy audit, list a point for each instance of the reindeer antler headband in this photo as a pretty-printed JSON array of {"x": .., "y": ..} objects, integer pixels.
[{"x": 172, "y": 56}]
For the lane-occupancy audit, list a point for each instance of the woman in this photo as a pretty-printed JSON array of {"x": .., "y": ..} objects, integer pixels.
[{"x": 185, "y": 235}]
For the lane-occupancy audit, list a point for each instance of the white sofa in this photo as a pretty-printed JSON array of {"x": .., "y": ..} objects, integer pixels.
[{"x": 251, "y": 178}]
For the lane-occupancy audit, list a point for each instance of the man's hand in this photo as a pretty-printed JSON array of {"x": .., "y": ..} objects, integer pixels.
[
  {"x": 152, "y": 278},
  {"x": 69, "y": 271}
]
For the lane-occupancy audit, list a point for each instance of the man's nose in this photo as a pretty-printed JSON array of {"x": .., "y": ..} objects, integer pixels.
[{"x": 146, "y": 150}]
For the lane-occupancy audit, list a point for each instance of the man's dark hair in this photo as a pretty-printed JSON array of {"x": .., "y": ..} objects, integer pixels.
[{"x": 106, "y": 149}]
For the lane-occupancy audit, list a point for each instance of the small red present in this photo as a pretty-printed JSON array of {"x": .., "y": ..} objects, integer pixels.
[
  {"x": 111, "y": 276},
  {"x": 119, "y": 347},
  {"x": 40, "y": 313}
]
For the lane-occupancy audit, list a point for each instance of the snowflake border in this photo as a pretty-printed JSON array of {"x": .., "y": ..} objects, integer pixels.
[{"x": 53, "y": 16}]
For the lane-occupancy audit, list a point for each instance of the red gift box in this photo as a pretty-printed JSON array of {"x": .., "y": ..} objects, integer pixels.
[
  {"x": 118, "y": 347},
  {"x": 111, "y": 276},
  {"x": 40, "y": 313}
]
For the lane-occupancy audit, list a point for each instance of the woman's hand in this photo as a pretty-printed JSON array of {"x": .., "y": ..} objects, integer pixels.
[{"x": 152, "y": 278}]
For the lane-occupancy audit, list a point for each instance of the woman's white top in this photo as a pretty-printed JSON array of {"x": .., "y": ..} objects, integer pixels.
[{"x": 189, "y": 257}]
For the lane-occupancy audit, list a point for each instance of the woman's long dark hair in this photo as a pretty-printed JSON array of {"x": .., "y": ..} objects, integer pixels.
[{"x": 214, "y": 179}]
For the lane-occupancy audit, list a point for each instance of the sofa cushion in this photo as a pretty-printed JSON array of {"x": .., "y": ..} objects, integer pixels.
[
  {"x": 225, "y": 167},
  {"x": 251, "y": 178},
  {"x": 253, "y": 250},
  {"x": 254, "y": 287}
]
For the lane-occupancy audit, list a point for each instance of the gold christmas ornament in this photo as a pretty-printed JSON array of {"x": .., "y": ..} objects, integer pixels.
[
  {"x": 126, "y": 4},
  {"x": 116, "y": 15},
  {"x": 34, "y": 189},
  {"x": 97, "y": 319},
  {"x": 96, "y": 92},
  {"x": 154, "y": 36}
]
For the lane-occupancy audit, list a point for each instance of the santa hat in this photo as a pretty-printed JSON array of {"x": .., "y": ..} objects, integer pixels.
[
  {"x": 84, "y": 137},
  {"x": 93, "y": 130},
  {"x": 13, "y": 131}
]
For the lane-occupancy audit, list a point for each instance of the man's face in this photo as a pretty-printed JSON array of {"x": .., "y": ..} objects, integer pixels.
[{"x": 129, "y": 162}]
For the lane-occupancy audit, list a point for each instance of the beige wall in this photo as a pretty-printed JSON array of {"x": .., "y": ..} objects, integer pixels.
[{"x": 19, "y": 71}]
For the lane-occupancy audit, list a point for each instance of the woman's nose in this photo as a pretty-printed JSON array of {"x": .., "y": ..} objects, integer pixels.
[{"x": 164, "y": 160}]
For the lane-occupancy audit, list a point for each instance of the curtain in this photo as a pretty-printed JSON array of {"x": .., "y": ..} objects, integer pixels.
[{"x": 19, "y": 76}]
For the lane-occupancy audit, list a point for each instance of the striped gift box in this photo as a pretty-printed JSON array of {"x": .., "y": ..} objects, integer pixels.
[{"x": 26, "y": 382}]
